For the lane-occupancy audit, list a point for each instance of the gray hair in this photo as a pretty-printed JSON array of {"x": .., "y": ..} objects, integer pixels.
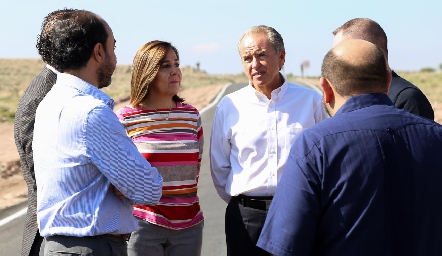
[{"x": 273, "y": 35}]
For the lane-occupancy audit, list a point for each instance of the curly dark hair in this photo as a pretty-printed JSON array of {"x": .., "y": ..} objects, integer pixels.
[
  {"x": 69, "y": 42},
  {"x": 46, "y": 27}
]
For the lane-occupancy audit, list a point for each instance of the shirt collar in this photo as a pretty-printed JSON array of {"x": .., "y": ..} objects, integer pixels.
[
  {"x": 53, "y": 69},
  {"x": 84, "y": 87},
  {"x": 363, "y": 101},
  {"x": 276, "y": 94}
]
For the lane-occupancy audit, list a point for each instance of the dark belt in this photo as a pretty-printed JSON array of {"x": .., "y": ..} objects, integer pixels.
[
  {"x": 123, "y": 237},
  {"x": 255, "y": 202}
]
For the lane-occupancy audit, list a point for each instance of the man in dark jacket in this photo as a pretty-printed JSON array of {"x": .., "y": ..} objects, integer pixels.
[
  {"x": 402, "y": 93},
  {"x": 24, "y": 129}
]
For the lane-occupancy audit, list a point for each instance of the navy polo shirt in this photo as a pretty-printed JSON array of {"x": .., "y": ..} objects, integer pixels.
[{"x": 364, "y": 182}]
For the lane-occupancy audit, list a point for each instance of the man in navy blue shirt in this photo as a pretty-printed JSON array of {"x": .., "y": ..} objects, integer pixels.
[{"x": 367, "y": 180}]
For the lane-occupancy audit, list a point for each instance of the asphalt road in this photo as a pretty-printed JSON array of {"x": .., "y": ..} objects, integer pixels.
[
  {"x": 214, "y": 240},
  {"x": 11, "y": 230},
  {"x": 11, "y": 227}
]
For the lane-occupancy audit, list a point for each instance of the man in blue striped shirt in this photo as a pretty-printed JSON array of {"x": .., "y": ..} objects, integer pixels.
[{"x": 83, "y": 158}]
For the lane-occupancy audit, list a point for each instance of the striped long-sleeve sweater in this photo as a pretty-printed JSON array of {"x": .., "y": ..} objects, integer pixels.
[{"x": 174, "y": 147}]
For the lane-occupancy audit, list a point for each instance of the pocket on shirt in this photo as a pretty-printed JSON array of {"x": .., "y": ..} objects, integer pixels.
[{"x": 291, "y": 134}]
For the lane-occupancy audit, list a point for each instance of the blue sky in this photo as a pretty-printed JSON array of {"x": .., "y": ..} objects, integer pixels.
[{"x": 207, "y": 31}]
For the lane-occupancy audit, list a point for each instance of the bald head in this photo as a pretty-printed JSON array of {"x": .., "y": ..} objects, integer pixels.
[
  {"x": 356, "y": 67},
  {"x": 362, "y": 28}
]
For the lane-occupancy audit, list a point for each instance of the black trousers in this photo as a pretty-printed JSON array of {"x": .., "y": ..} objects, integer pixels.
[{"x": 243, "y": 226}]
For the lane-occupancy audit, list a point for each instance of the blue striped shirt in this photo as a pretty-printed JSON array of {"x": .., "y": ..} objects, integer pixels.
[{"x": 80, "y": 149}]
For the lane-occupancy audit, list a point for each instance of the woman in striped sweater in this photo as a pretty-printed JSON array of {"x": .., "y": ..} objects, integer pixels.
[{"x": 169, "y": 135}]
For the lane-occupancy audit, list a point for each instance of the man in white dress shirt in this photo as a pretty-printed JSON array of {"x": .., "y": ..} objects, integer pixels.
[{"x": 252, "y": 134}]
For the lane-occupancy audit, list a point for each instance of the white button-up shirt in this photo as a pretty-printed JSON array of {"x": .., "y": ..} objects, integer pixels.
[{"x": 252, "y": 136}]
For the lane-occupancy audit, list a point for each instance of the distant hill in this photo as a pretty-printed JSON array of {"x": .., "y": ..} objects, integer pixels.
[{"x": 16, "y": 74}]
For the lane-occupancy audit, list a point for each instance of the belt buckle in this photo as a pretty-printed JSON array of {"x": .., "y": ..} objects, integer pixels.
[
  {"x": 260, "y": 204},
  {"x": 254, "y": 202}
]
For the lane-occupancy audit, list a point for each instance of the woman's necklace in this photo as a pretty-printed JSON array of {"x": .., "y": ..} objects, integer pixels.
[{"x": 168, "y": 114}]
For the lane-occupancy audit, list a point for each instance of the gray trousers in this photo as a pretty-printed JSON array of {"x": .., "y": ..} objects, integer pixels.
[
  {"x": 85, "y": 246},
  {"x": 153, "y": 240}
]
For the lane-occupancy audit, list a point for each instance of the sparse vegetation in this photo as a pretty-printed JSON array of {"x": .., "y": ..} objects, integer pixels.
[
  {"x": 16, "y": 74},
  {"x": 429, "y": 82},
  {"x": 427, "y": 70}
]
